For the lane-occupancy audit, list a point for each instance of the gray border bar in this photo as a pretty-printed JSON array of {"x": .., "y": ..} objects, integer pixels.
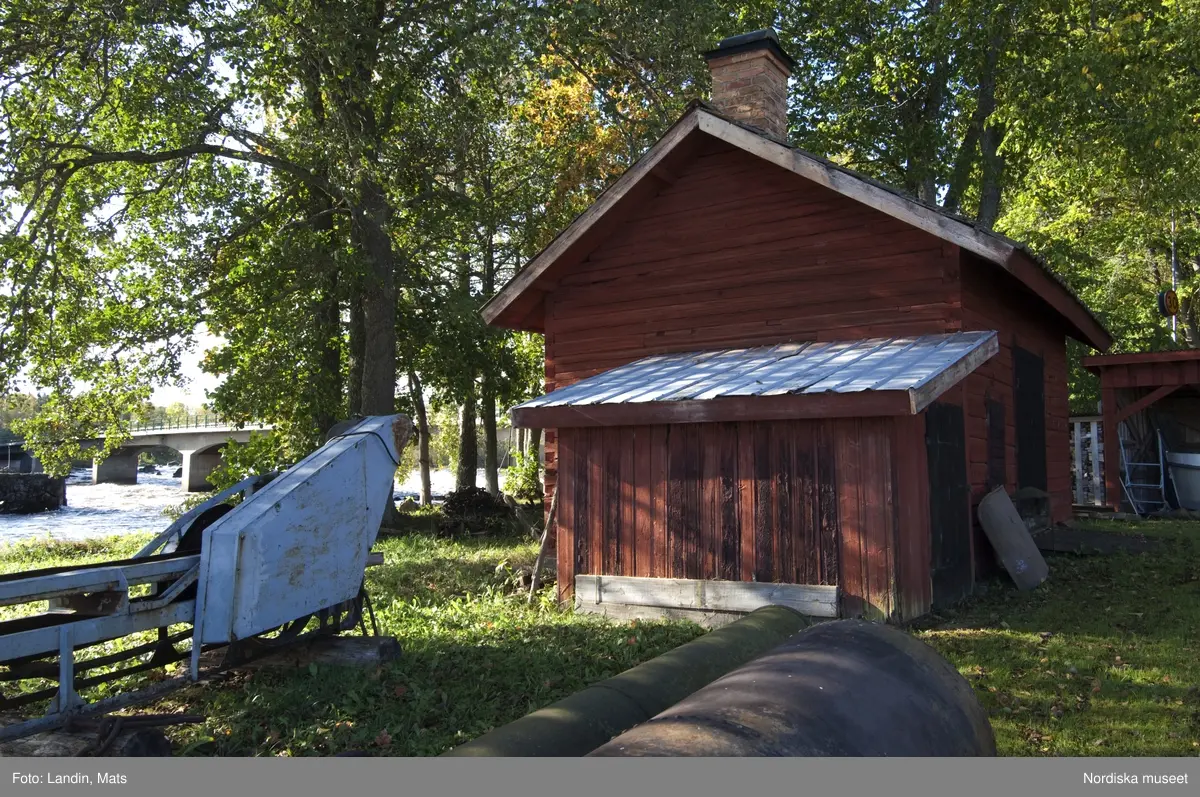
[{"x": 605, "y": 777}]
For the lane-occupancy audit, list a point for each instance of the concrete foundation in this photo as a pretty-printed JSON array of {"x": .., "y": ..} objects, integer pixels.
[
  {"x": 197, "y": 465},
  {"x": 120, "y": 467}
]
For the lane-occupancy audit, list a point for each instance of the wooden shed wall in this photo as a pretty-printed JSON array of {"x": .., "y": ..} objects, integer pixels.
[
  {"x": 802, "y": 502},
  {"x": 992, "y": 301},
  {"x": 738, "y": 252}
]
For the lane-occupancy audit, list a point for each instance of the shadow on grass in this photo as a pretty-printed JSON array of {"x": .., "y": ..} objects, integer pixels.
[
  {"x": 475, "y": 655},
  {"x": 439, "y": 694},
  {"x": 1102, "y": 659}
]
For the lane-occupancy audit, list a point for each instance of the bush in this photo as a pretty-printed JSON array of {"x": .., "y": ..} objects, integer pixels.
[{"x": 523, "y": 479}]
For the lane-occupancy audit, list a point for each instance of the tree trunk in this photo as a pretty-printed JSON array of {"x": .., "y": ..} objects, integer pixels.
[
  {"x": 534, "y": 441},
  {"x": 992, "y": 162},
  {"x": 964, "y": 162},
  {"x": 358, "y": 342},
  {"x": 468, "y": 445},
  {"x": 418, "y": 400},
  {"x": 491, "y": 454},
  {"x": 327, "y": 385},
  {"x": 491, "y": 459},
  {"x": 378, "y": 303}
]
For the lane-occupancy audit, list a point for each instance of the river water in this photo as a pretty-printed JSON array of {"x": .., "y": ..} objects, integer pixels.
[{"x": 101, "y": 510}]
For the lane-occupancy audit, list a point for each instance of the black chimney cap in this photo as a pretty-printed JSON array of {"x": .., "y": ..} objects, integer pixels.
[{"x": 755, "y": 40}]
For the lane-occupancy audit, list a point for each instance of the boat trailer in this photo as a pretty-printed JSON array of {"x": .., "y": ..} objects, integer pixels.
[{"x": 284, "y": 562}]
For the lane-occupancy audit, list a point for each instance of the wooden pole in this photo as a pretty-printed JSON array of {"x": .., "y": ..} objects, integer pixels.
[{"x": 541, "y": 557}]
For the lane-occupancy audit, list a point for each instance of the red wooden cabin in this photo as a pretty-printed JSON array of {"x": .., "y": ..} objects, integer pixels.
[{"x": 849, "y": 493}]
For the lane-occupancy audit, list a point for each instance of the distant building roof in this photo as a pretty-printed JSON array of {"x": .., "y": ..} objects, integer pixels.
[{"x": 908, "y": 373}]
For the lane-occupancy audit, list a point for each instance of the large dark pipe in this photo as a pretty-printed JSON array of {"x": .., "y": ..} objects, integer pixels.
[
  {"x": 845, "y": 688},
  {"x": 579, "y": 723}
]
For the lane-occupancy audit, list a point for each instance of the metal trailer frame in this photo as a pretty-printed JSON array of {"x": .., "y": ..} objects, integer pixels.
[{"x": 91, "y": 604}]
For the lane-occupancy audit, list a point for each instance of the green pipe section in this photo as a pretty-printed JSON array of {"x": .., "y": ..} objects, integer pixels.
[{"x": 579, "y": 723}]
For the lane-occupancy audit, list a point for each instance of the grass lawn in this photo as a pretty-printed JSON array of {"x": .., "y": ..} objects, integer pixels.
[{"x": 1103, "y": 659}]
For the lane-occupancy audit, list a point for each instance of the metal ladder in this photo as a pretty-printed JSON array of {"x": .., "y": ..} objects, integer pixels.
[{"x": 1141, "y": 506}]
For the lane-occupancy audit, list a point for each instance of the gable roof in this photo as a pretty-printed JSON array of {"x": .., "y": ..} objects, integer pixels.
[{"x": 512, "y": 303}]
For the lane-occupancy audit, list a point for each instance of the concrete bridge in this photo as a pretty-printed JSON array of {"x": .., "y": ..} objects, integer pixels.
[{"x": 199, "y": 441}]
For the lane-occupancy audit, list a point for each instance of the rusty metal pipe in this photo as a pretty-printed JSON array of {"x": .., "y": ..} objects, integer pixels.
[
  {"x": 845, "y": 688},
  {"x": 581, "y": 722}
]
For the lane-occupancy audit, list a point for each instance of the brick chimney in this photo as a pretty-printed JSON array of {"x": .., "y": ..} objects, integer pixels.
[{"x": 749, "y": 81}]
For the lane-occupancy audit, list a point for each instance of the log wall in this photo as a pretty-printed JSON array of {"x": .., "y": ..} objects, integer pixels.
[{"x": 738, "y": 252}]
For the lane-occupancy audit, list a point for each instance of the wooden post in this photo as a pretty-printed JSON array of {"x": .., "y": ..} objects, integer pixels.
[
  {"x": 1097, "y": 462},
  {"x": 541, "y": 557},
  {"x": 1112, "y": 449}
]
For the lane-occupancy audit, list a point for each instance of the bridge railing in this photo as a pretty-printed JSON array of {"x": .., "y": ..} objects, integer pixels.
[{"x": 199, "y": 420}]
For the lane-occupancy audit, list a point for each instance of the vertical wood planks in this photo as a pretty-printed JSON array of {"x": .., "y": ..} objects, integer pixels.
[
  {"x": 626, "y": 554},
  {"x": 764, "y": 521},
  {"x": 806, "y": 503},
  {"x": 848, "y": 446},
  {"x": 643, "y": 532},
  {"x": 789, "y": 501},
  {"x": 659, "y": 448},
  {"x": 785, "y": 530},
  {"x": 729, "y": 499},
  {"x": 710, "y": 503},
  {"x": 564, "y": 522},
  {"x": 596, "y": 500},
  {"x": 912, "y": 529},
  {"x": 691, "y": 508},
  {"x": 745, "y": 434},
  {"x": 676, "y": 498},
  {"x": 830, "y": 523},
  {"x": 613, "y": 440}
]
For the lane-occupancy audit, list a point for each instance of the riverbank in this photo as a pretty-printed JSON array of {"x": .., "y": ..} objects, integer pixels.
[{"x": 102, "y": 510}]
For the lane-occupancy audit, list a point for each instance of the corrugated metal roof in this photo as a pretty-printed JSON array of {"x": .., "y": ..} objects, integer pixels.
[{"x": 789, "y": 368}]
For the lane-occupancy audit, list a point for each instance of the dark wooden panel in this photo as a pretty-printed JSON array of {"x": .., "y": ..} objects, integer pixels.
[
  {"x": 827, "y": 500},
  {"x": 613, "y": 444},
  {"x": 877, "y": 517},
  {"x": 1029, "y": 410},
  {"x": 785, "y": 531},
  {"x": 659, "y": 460},
  {"x": 746, "y": 495},
  {"x": 851, "y": 575},
  {"x": 643, "y": 503},
  {"x": 807, "y": 507},
  {"x": 764, "y": 522},
  {"x": 625, "y": 549},
  {"x": 691, "y": 506},
  {"x": 581, "y": 476},
  {"x": 949, "y": 504},
  {"x": 997, "y": 461},
  {"x": 596, "y": 507},
  {"x": 710, "y": 507},
  {"x": 677, "y": 470},
  {"x": 912, "y": 521},
  {"x": 730, "y": 530},
  {"x": 565, "y": 520}
]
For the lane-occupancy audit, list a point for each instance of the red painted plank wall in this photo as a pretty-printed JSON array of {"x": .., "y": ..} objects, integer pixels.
[
  {"x": 992, "y": 301},
  {"x": 802, "y": 502},
  {"x": 738, "y": 252}
]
